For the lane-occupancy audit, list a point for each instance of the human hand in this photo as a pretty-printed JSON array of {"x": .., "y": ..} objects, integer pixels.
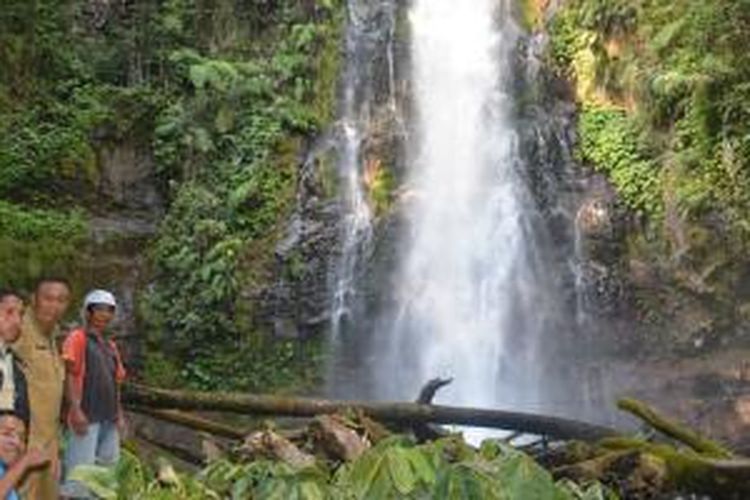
[
  {"x": 35, "y": 458},
  {"x": 78, "y": 421}
]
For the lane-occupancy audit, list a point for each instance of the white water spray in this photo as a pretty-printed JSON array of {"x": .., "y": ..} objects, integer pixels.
[{"x": 472, "y": 298}]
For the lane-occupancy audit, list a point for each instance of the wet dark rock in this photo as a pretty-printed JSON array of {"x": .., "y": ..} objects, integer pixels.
[
  {"x": 603, "y": 289},
  {"x": 601, "y": 222},
  {"x": 295, "y": 302}
]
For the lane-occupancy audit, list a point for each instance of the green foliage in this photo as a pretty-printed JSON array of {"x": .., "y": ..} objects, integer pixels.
[
  {"x": 196, "y": 257},
  {"x": 32, "y": 225},
  {"x": 223, "y": 93},
  {"x": 681, "y": 69},
  {"x": 394, "y": 468},
  {"x": 262, "y": 365},
  {"x": 563, "y": 43},
  {"x": 609, "y": 140},
  {"x": 161, "y": 371},
  {"x": 37, "y": 241},
  {"x": 381, "y": 190},
  {"x": 227, "y": 141},
  {"x": 131, "y": 480},
  {"x": 55, "y": 115},
  {"x": 229, "y": 144},
  {"x": 607, "y": 17}
]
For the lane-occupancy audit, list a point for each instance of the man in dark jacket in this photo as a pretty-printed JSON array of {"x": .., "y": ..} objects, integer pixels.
[
  {"x": 15, "y": 461},
  {"x": 13, "y": 392}
]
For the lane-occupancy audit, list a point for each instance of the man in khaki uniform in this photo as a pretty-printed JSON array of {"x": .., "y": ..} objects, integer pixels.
[{"x": 45, "y": 375}]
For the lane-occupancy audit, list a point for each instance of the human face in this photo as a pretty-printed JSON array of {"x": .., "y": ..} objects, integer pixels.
[
  {"x": 99, "y": 316},
  {"x": 12, "y": 439},
  {"x": 11, "y": 310},
  {"x": 50, "y": 302}
]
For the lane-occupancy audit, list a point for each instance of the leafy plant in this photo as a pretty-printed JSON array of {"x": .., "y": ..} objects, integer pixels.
[
  {"x": 229, "y": 146},
  {"x": 394, "y": 468},
  {"x": 678, "y": 71},
  {"x": 609, "y": 141}
]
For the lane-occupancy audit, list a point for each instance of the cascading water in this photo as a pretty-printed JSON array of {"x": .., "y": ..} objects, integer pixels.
[
  {"x": 466, "y": 282},
  {"x": 369, "y": 35},
  {"x": 471, "y": 295}
]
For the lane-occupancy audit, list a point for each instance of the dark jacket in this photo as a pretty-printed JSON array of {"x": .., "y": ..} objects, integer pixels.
[{"x": 21, "y": 396}]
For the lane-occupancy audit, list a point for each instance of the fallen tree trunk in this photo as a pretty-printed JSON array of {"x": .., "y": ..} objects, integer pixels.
[
  {"x": 674, "y": 429},
  {"x": 690, "y": 471},
  {"x": 427, "y": 432},
  {"x": 193, "y": 422},
  {"x": 402, "y": 413}
]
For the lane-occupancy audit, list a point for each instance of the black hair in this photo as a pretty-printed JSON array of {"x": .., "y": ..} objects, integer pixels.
[
  {"x": 23, "y": 417},
  {"x": 8, "y": 292},
  {"x": 43, "y": 280},
  {"x": 90, "y": 308}
]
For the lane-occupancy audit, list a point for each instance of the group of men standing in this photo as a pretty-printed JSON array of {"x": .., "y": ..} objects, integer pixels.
[{"x": 46, "y": 388}]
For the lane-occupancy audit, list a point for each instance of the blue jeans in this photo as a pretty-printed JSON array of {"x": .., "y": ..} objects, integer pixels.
[{"x": 99, "y": 446}]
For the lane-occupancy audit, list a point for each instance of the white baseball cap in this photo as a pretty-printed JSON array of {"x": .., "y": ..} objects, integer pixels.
[{"x": 95, "y": 297}]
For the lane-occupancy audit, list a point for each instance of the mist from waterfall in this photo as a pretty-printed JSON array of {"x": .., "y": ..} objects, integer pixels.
[
  {"x": 471, "y": 296},
  {"x": 460, "y": 279}
]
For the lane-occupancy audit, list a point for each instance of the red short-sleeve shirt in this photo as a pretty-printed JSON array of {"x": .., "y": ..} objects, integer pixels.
[{"x": 74, "y": 354}]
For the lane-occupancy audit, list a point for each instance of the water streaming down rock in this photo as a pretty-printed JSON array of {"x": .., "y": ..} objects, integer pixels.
[
  {"x": 369, "y": 56},
  {"x": 473, "y": 298},
  {"x": 472, "y": 275}
]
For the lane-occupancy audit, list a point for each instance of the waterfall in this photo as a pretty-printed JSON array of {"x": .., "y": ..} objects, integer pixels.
[
  {"x": 367, "y": 21},
  {"x": 470, "y": 286},
  {"x": 471, "y": 294}
]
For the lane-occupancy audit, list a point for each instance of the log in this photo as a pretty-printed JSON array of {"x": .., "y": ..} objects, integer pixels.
[
  {"x": 639, "y": 475},
  {"x": 673, "y": 429},
  {"x": 182, "y": 453},
  {"x": 688, "y": 471},
  {"x": 426, "y": 432},
  {"x": 399, "y": 413},
  {"x": 153, "y": 454},
  {"x": 193, "y": 422}
]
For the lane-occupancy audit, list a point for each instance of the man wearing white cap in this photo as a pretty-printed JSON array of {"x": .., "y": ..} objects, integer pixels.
[{"x": 94, "y": 371}]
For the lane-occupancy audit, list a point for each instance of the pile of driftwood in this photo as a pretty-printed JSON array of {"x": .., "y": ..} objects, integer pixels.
[{"x": 680, "y": 460}]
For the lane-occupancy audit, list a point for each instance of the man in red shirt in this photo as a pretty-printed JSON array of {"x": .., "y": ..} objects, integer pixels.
[{"x": 94, "y": 372}]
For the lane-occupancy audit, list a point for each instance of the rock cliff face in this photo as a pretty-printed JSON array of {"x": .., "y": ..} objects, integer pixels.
[
  {"x": 365, "y": 140},
  {"x": 97, "y": 108},
  {"x": 126, "y": 211},
  {"x": 663, "y": 304},
  {"x": 296, "y": 302},
  {"x": 670, "y": 278}
]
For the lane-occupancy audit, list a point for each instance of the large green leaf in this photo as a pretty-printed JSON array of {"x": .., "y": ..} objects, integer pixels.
[
  {"x": 521, "y": 477},
  {"x": 424, "y": 470},
  {"x": 101, "y": 481},
  {"x": 466, "y": 482},
  {"x": 401, "y": 470}
]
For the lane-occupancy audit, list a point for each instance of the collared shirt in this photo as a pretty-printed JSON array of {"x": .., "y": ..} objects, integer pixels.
[
  {"x": 13, "y": 393},
  {"x": 7, "y": 382},
  {"x": 96, "y": 369},
  {"x": 45, "y": 375}
]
